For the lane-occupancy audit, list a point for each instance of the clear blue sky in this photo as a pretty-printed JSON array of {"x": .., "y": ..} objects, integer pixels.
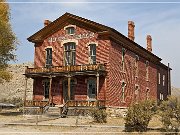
[{"x": 160, "y": 20}]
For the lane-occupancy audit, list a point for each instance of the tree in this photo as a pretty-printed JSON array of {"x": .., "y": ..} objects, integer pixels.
[
  {"x": 8, "y": 41},
  {"x": 139, "y": 115},
  {"x": 170, "y": 114}
]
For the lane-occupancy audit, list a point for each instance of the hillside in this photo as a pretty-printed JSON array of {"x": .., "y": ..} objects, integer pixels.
[{"x": 15, "y": 88}]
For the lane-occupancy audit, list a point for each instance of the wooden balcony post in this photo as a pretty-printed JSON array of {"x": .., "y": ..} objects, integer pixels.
[
  {"x": 25, "y": 90},
  {"x": 97, "y": 85},
  {"x": 69, "y": 87},
  {"x": 50, "y": 91}
]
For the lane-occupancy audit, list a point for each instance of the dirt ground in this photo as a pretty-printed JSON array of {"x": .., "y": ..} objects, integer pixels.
[{"x": 13, "y": 122}]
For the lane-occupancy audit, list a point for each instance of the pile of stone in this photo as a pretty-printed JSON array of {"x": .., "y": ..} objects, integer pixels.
[{"x": 15, "y": 88}]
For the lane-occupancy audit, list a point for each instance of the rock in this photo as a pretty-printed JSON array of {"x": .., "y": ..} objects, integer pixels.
[{"x": 15, "y": 88}]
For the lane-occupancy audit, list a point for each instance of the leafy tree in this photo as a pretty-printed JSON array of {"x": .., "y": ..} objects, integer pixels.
[
  {"x": 170, "y": 114},
  {"x": 8, "y": 41},
  {"x": 139, "y": 115}
]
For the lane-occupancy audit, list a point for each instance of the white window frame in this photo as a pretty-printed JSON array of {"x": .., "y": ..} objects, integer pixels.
[
  {"x": 163, "y": 80},
  {"x": 147, "y": 70},
  {"x": 136, "y": 66},
  {"x": 159, "y": 78}
]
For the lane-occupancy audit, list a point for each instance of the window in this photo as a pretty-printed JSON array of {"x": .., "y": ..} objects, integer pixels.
[
  {"x": 91, "y": 88},
  {"x": 136, "y": 93},
  {"x": 123, "y": 91},
  {"x": 161, "y": 97},
  {"x": 136, "y": 66},
  {"x": 70, "y": 53},
  {"x": 159, "y": 78},
  {"x": 70, "y": 30},
  {"x": 147, "y": 93},
  {"x": 46, "y": 84},
  {"x": 163, "y": 80},
  {"x": 147, "y": 70},
  {"x": 123, "y": 61},
  {"x": 92, "y": 54},
  {"x": 48, "y": 57}
]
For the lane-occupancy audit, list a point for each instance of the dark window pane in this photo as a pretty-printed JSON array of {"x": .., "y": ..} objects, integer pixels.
[{"x": 70, "y": 30}]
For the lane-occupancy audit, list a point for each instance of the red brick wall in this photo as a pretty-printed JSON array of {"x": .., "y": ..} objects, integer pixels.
[
  {"x": 116, "y": 76},
  {"x": 80, "y": 89},
  {"x": 82, "y": 52}
]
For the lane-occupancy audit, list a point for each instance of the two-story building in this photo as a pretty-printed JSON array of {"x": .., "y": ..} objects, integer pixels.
[{"x": 85, "y": 62}]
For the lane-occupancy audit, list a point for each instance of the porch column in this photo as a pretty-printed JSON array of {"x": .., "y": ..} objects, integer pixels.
[
  {"x": 25, "y": 91},
  {"x": 97, "y": 85},
  {"x": 69, "y": 87},
  {"x": 50, "y": 87}
]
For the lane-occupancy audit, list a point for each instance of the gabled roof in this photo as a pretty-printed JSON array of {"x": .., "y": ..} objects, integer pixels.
[{"x": 93, "y": 26}]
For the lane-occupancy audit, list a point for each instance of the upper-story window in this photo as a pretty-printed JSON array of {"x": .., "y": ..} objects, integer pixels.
[
  {"x": 136, "y": 66},
  {"x": 70, "y": 30},
  {"x": 147, "y": 70},
  {"x": 48, "y": 57},
  {"x": 70, "y": 53},
  {"x": 92, "y": 53},
  {"x": 159, "y": 78},
  {"x": 123, "y": 60},
  {"x": 163, "y": 80}
]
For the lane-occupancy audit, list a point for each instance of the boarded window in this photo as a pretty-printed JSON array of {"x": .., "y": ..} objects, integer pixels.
[
  {"x": 163, "y": 80},
  {"x": 159, "y": 78}
]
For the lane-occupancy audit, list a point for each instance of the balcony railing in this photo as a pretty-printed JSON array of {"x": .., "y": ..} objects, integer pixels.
[
  {"x": 86, "y": 103},
  {"x": 61, "y": 69}
]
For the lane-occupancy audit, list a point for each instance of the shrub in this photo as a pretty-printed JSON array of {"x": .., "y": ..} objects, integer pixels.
[
  {"x": 170, "y": 114},
  {"x": 99, "y": 115},
  {"x": 139, "y": 115}
]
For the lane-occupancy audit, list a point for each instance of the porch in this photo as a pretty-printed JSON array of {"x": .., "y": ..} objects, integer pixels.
[
  {"x": 77, "y": 86},
  {"x": 78, "y": 106}
]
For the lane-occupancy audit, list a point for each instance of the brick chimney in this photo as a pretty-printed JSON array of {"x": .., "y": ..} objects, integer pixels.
[
  {"x": 46, "y": 23},
  {"x": 131, "y": 30},
  {"x": 149, "y": 43}
]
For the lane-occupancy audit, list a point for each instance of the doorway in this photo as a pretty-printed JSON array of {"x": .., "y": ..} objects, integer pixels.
[
  {"x": 65, "y": 90},
  {"x": 91, "y": 86},
  {"x": 46, "y": 88}
]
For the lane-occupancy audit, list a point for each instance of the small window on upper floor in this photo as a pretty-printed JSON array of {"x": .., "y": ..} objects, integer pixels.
[
  {"x": 92, "y": 53},
  {"x": 123, "y": 59},
  {"x": 136, "y": 65},
  {"x": 70, "y": 30},
  {"x": 163, "y": 80},
  {"x": 159, "y": 78},
  {"x": 48, "y": 57},
  {"x": 147, "y": 70}
]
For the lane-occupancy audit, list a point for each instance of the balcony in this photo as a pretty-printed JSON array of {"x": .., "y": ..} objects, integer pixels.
[{"x": 66, "y": 69}]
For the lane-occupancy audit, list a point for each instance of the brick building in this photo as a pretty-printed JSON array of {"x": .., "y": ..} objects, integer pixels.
[{"x": 86, "y": 63}]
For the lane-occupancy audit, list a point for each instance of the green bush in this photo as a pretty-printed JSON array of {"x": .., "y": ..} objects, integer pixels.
[
  {"x": 170, "y": 114},
  {"x": 99, "y": 115},
  {"x": 139, "y": 115}
]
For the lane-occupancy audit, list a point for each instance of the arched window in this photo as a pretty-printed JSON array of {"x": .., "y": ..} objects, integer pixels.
[
  {"x": 70, "y": 30},
  {"x": 70, "y": 53}
]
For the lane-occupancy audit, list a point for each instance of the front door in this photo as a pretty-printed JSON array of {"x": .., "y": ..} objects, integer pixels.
[
  {"x": 46, "y": 88},
  {"x": 65, "y": 90},
  {"x": 91, "y": 88}
]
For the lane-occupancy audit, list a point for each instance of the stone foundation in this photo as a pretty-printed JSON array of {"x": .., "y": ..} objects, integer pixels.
[{"x": 116, "y": 111}]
